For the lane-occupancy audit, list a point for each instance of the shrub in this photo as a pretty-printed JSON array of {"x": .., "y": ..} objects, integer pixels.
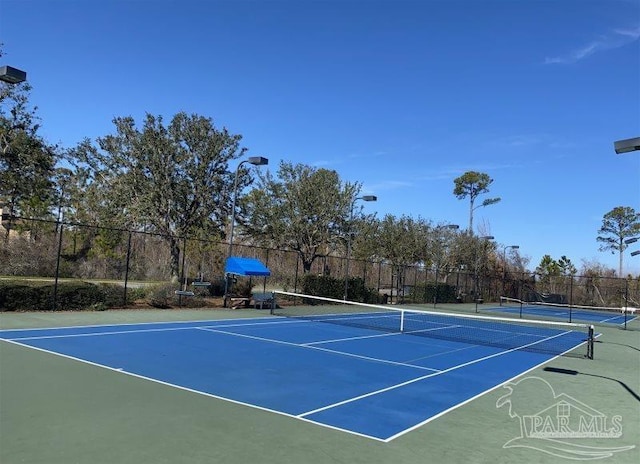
[
  {"x": 217, "y": 287},
  {"x": 161, "y": 296},
  {"x": 137, "y": 293},
  {"x": 242, "y": 288},
  {"x": 73, "y": 296},
  {"x": 445, "y": 293},
  {"x": 16, "y": 297},
  {"x": 332, "y": 287}
]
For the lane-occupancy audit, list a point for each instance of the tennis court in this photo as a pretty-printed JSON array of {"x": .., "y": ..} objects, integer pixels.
[
  {"x": 55, "y": 409},
  {"x": 563, "y": 312},
  {"x": 348, "y": 375}
]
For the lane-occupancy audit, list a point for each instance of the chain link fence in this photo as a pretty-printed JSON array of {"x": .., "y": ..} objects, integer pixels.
[{"x": 53, "y": 250}]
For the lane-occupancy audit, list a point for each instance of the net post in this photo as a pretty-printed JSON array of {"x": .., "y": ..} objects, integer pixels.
[
  {"x": 590, "y": 342},
  {"x": 521, "y": 303},
  {"x": 402, "y": 313}
]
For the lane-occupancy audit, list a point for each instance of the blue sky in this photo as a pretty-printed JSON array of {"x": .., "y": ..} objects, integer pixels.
[{"x": 402, "y": 96}]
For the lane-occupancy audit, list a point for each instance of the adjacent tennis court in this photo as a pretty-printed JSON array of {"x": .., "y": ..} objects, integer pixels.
[
  {"x": 564, "y": 312},
  {"x": 365, "y": 372}
]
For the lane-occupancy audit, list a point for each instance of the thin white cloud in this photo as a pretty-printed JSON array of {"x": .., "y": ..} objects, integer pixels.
[
  {"x": 618, "y": 38},
  {"x": 386, "y": 186},
  {"x": 633, "y": 34},
  {"x": 337, "y": 161}
]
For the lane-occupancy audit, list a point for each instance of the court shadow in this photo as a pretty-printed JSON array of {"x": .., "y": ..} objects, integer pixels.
[
  {"x": 623, "y": 344},
  {"x": 557, "y": 370}
]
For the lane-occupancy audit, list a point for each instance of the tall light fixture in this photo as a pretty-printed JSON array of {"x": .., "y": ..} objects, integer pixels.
[
  {"x": 256, "y": 161},
  {"x": 346, "y": 272},
  {"x": 12, "y": 75},
  {"x": 626, "y": 145},
  {"x": 633, "y": 240}
]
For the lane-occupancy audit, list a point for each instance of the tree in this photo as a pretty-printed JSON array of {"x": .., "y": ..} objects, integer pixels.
[
  {"x": 555, "y": 274},
  {"x": 403, "y": 242},
  {"x": 472, "y": 184},
  {"x": 301, "y": 208},
  {"x": 566, "y": 266},
  {"x": 171, "y": 179},
  {"x": 620, "y": 223},
  {"x": 549, "y": 271},
  {"x": 27, "y": 161}
]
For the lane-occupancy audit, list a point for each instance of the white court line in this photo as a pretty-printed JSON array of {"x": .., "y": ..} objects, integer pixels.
[
  {"x": 441, "y": 353},
  {"x": 284, "y": 413},
  {"x": 327, "y": 350},
  {"x": 418, "y": 379},
  {"x": 615, "y": 317},
  {"x": 190, "y": 390},
  {"x": 334, "y": 340},
  {"x": 127, "y": 324},
  {"x": 165, "y": 329}
]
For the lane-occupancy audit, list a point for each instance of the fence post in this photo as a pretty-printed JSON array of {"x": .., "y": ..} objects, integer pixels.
[
  {"x": 626, "y": 301},
  {"x": 435, "y": 293},
  {"x": 295, "y": 280},
  {"x": 55, "y": 283},
  {"x": 379, "y": 275},
  {"x": 126, "y": 271},
  {"x": 570, "y": 297}
]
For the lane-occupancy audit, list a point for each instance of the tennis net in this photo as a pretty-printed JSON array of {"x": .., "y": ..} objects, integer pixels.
[
  {"x": 547, "y": 337},
  {"x": 557, "y": 310}
]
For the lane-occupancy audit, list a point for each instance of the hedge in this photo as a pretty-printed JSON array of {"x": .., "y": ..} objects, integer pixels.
[{"x": 18, "y": 296}]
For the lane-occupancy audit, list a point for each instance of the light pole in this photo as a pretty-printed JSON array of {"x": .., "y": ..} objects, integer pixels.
[
  {"x": 626, "y": 145},
  {"x": 12, "y": 75},
  {"x": 256, "y": 161},
  {"x": 633, "y": 240},
  {"x": 346, "y": 272},
  {"x": 504, "y": 265}
]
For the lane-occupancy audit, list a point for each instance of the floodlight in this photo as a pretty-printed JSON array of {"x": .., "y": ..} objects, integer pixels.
[
  {"x": 12, "y": 75},
  {"x": 627, "y": 145},
  {"x": 258, "y": 160}
]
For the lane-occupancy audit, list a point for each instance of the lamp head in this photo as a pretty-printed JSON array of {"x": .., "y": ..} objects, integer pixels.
[
  {"x": 258, "y": 160},
  {"x": 12, "y": 75},
  {"x": 627, "y": 145}
]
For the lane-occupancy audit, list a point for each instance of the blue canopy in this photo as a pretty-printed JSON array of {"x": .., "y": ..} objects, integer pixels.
[{"x": 246, "y": 267}]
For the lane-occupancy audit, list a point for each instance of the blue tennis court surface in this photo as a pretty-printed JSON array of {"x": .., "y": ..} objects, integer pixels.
[
  {"x": 562, "y": 314},
  {"x": 365, "y": 382}
]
